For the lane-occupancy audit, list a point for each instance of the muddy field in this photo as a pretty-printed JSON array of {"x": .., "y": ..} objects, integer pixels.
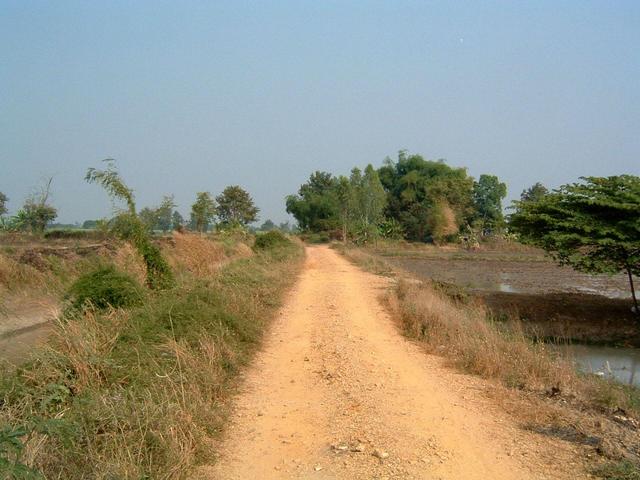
[
  {"x": 553, "y": 301},
  {"x": 505, "y": 272}
]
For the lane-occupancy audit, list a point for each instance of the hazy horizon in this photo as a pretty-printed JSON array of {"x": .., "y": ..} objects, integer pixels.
[{"x": 193, "y": 96}]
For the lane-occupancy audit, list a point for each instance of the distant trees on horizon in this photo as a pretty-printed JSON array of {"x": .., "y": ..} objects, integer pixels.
[{"x": 412, "y": 198}]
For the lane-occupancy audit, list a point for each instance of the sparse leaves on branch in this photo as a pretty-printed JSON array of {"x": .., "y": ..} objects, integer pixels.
[
  {"x": 36, "y": 212},
  {"x": 128, "y": 225},
  {"x": 110, "y": 180}
]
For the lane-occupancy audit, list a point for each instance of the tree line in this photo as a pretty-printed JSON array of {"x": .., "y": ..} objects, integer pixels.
[
  {"x": 411, "y": 198},
  {"x": 232, "y": 208},
  {"x": 592, "y": 225}
]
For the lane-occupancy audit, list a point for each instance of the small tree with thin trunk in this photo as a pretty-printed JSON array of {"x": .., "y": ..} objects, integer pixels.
[
  {"x": 593, "y": 226},
  {"x": 236, "y": 207},
  {"x": 177, "y": 221},
  {"x": 127, "y": 224},
  {"x": 36, "y": 212},
  {"x": 203, "y": 211},
  {"x": 165, "y": 212},
  {"x": 488, "y": 193}
]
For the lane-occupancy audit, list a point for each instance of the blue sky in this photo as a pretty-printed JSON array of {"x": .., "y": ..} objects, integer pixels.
[{"x": 192, "y": 96}]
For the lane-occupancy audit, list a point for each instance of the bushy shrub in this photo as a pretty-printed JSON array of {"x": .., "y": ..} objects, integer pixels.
[
  {"x": 270, "y": 240},
  {"x": 104, "y": 287}
]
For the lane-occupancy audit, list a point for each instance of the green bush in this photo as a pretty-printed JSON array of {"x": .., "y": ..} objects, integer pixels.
[
  {"x": 105, "y": 287},
  {"x": 622, "y": 470},
  {"x": 270, "y": 240}
]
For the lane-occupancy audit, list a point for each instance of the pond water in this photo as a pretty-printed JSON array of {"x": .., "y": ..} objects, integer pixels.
[{"x": 621, "y": 364}]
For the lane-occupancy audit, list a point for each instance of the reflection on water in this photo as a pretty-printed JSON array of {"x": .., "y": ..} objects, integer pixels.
[
  {"x": 504, "y": 285},
  {"x": 621, "y": 364}
]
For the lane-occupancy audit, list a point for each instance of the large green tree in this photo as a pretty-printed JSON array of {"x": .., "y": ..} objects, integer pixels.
[
  {"x": 236, "y": 207},
  {"x": 203, "y": 211},
  {"x": 317, "y": 205},
  {"x": 414, "y": 186},
  {"x": 488, "y": 193},
  {"x": 593, "y": 225}
]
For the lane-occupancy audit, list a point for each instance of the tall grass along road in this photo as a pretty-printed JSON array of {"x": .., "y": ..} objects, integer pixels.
[
  {"x": 338, "y": 393},
  {"x": 139, "y": 392}
]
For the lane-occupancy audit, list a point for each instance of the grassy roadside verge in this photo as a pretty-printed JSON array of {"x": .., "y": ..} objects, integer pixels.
[
  {"x": 552, "y": 397},
  {"x": 138, "y": 393}
]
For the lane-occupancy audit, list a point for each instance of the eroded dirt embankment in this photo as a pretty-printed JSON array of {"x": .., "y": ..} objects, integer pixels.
[
  {"x": 24, "y": 324},
  {"x": 338, "y": 393}
]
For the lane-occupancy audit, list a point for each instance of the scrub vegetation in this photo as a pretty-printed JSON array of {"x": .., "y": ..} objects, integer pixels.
[
  {"x": 136, "y": 392},
  {"x": 131, "y": 382}
]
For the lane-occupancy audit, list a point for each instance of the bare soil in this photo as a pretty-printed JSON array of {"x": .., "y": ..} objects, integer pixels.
[
  {"x": 24, "y": 323},
  {"x": 338, "y": 393}
]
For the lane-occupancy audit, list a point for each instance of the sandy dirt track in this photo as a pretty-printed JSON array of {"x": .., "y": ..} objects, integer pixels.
[{"x": 338, "y": 393}]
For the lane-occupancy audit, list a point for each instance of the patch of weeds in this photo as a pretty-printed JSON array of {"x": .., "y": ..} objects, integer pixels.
[
  {"x": 451, "y": 290},
  {"x": 11, "y": 450},
  {"x": 622, "y": 470}
]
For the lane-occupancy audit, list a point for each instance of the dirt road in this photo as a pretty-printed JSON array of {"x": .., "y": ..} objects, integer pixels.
[{"x": 338, "y": 393}]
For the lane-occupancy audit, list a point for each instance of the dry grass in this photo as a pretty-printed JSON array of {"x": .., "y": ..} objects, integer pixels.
[
  {"x": 139, "y": 393},
  {"x": 126, "y": 259},
  {"x": 201, "y": 255},
  {"x": 15, "y": 275},
  {"x": 474, "y": 342}
]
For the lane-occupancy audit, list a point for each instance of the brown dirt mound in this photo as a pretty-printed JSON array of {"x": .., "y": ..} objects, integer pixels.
[{"x": 195, "y": 253}]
